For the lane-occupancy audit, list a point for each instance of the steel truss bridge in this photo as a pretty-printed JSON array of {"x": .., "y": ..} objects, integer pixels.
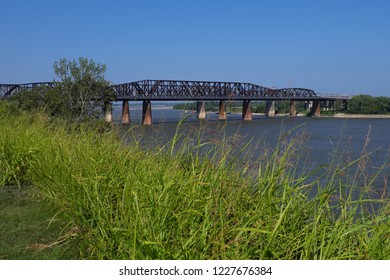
[
  {"x": 191, "y": 90},
  {"x": 8, "y": 89},
  {"x": 198, "y": 90}
]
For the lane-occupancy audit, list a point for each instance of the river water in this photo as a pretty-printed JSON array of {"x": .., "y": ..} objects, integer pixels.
[{"x": 320, "y": 141}]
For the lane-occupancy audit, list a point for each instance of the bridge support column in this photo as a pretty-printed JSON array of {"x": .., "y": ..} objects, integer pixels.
[
  {"x": 316, "y": 109},
  {"x": 222, "y": 110},
  {"x": 344, "y": 105},
  {"x": 125, "y": 112},
  {"x": 146, "y": 112},
  {"x": 201, "y": 110},
  {"x": 108, "y": 112},
  {"x": 270, "y": 109},
  {"x": 246, "y": 110},
  {"x": 293, "y": 110}
]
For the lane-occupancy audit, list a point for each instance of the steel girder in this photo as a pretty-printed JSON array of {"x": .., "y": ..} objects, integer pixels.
[
  {"x": 8, "y": 89},
  {"x": 182, "y": 90},
  {"x": 297, "y": 93}
]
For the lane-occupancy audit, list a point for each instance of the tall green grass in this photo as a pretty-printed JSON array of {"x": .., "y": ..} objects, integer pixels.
[{"x": 190, "y": 201}]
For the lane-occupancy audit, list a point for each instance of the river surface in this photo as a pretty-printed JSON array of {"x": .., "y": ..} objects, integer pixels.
[{"x": 320, "y": 141}]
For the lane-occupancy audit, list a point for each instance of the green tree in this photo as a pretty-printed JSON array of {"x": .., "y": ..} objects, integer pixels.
[
  {"x": 83, "y": 87},
  {"x": 383, "y": 104},
  {"x": 41, "y": 98},
  {"x": 360, "y": 104},
  {"x": 259, "y": 108},
  {"x": 30, "y": 99},
  {"x": 366, "y": 104}
]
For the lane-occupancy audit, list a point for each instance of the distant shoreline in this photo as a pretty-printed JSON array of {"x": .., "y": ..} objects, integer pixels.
[
  {"x": 157, "y": 107},
  {"x": 337, "y": 115},
  {"x": 154, "y": 107},
  {"x": 359, "y": 116}
]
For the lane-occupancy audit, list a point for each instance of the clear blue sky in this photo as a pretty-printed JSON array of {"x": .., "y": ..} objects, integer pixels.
[{"x": 330, "y": 46}]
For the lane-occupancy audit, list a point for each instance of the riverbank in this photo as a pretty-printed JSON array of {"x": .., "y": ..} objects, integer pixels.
[
  {"x": 190, "y": 198},
  {"x": 336, "y": 115},
  {"x": 360, "y": 116},
  {"x": 155, "y": 107}
]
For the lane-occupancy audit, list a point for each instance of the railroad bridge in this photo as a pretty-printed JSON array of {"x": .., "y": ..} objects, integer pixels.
[{"x": 200, "y": 91}]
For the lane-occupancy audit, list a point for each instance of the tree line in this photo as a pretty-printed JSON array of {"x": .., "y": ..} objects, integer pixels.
[{"x": 367, "y": 104}]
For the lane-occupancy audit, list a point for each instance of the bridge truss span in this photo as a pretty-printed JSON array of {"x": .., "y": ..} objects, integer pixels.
[
  {"x": 298, "y": 93},
  {"x": 204, "y": 90},
  {"x": 8, "y": 89},
  {"x": 200, "y": 91},
  {"x": 191, "y": 90}
]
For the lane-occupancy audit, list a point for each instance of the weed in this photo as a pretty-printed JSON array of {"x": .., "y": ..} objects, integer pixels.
[{"x": 186, "y": 200}]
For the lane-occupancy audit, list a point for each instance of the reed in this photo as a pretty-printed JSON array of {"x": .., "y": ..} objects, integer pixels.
[{"x": 186, "y": 200}]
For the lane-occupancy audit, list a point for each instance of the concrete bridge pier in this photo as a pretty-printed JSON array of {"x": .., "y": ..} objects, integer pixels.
[
  {"x": 293, "y": 110},
  {"x": 125, "y": 112},
  {"x": 270, "y": 109},
  {"x": 222, "y": 111},
  {"x": 146, "y": 112},
  {"x": 246, "y": 110},
  {"x": 316, "y": 108},
  {"x": 108, "y": 112},
  {"x": 201, "y": 110}
]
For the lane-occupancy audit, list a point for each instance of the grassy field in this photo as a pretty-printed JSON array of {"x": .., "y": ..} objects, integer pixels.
[
  {"x": 29, "y": 228},
  {"x": 108, "y": 200}
]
